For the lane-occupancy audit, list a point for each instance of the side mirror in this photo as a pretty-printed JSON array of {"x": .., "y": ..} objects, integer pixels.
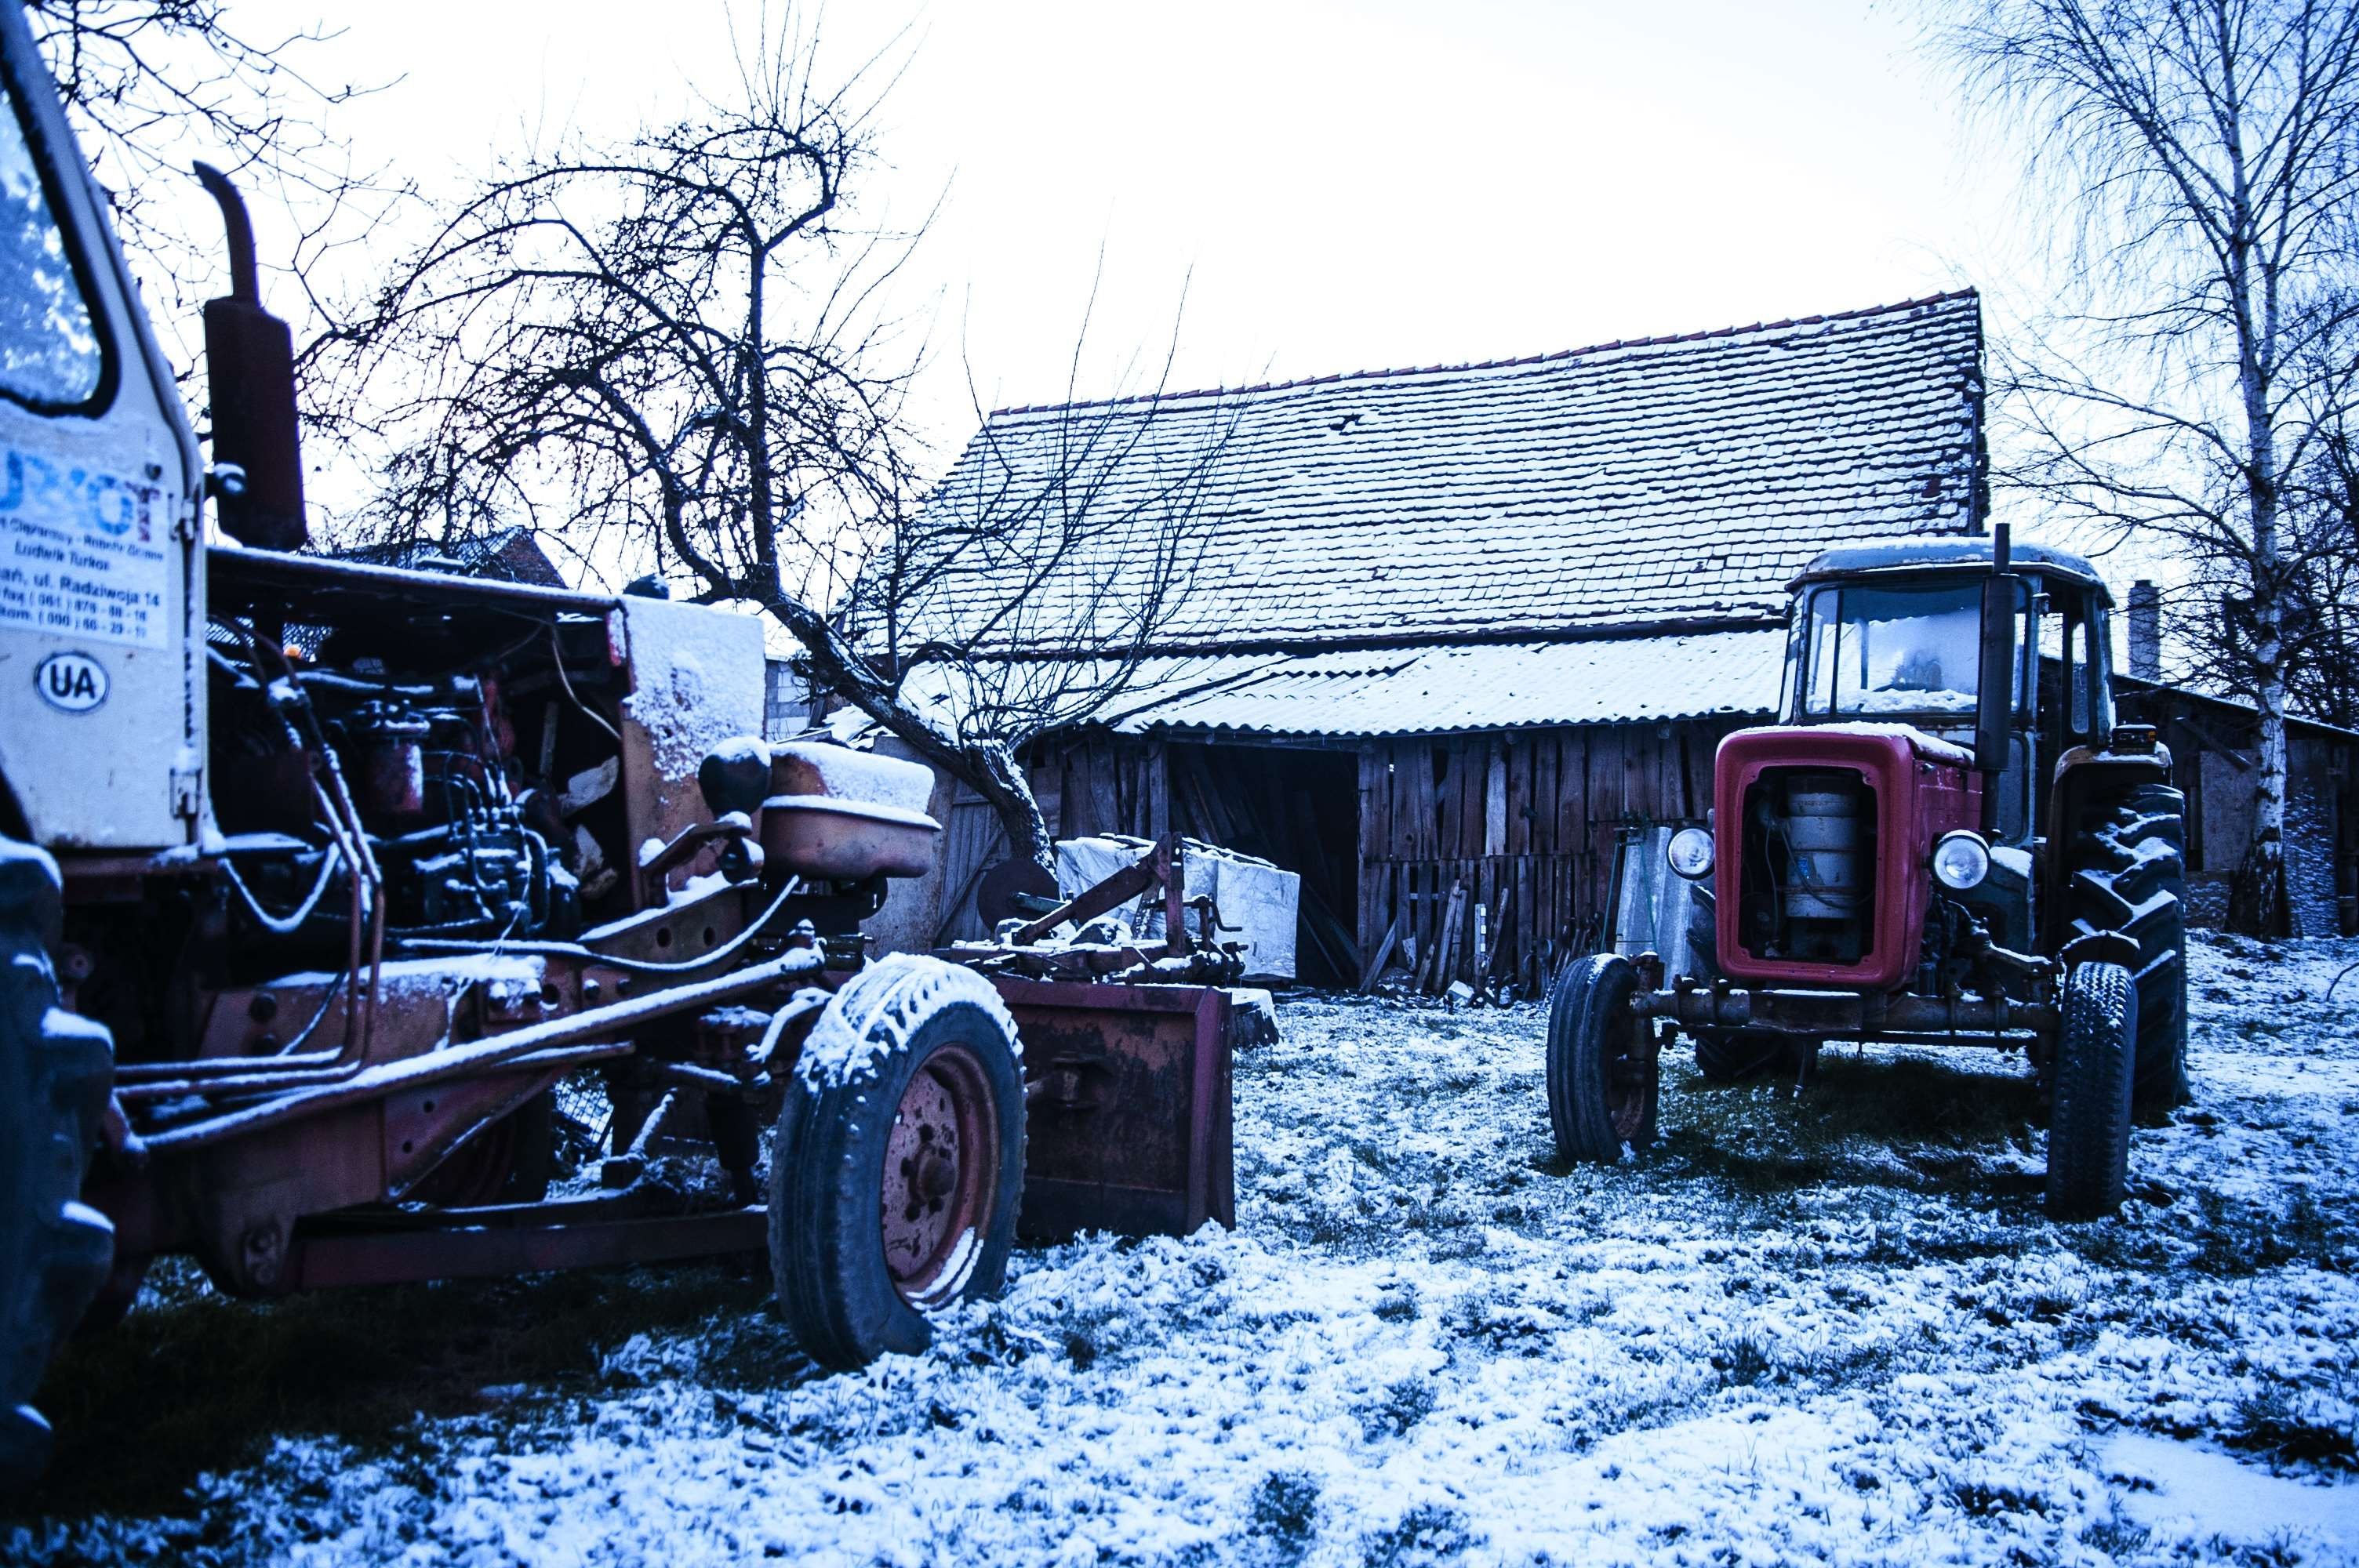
[
  {"x": 1995, "y": 707},
  {"x": 257, "y": 486}
]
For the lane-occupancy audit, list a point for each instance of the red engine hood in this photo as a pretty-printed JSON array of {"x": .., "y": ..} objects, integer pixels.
[{"x": 1923, "y": 787}]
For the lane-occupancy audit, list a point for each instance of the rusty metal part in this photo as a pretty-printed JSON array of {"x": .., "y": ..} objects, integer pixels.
[
  {"x": 628, "y": 1166},
  {"x": 1161, "y": 864},
  {"x": 613, "y": 1022},
  {"x": 567, "y": 1239},
  {"x": 1833, "y": 1012},
  {"x": 941, "y": 1176},
  {"x": 830, "y": 839},
  {"x": 686, "y": 846},
  {"x": 1127, "y": 1119}
]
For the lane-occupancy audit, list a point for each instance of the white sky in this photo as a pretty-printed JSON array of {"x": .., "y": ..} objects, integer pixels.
[
  {"x": 1336, "y": 184},
  {"x": 1339, "y": 185}
]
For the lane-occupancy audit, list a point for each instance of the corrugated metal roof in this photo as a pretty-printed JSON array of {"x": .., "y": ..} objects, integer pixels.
[
  {"x": 1429, "y": 691},
  {"x": 1659, "y": 481}
]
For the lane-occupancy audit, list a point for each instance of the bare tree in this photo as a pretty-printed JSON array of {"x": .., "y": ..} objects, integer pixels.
[
  {"x": 146, "y": 83},
  {"x": 671, "y": 352},
  {"x": 2204, "y": 156}
]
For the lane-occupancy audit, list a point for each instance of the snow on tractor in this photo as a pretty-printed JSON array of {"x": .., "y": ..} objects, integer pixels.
[
  {"x": 1947, "y": 841},
  {"x": 331, "y": 893}
]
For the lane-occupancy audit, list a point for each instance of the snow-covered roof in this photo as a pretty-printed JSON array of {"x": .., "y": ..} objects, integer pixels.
[
  {"x": 1446, "y": 687},
  {"x": 1664, "y": 480}
]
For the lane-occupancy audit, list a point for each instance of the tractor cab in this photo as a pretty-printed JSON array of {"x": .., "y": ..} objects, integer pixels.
[{"x": 1894, "y": 633}]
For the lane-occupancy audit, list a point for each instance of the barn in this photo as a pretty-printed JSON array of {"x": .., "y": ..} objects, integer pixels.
[{"x": 1462, "y": 631}]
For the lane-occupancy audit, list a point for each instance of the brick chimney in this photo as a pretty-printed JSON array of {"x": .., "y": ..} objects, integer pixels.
[{"x": 2145, "y": 631}]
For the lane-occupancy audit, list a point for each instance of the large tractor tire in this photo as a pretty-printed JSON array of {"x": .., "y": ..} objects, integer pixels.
[
  {"x": 2089, "y": 1127},
  {"x": 1604, "y": 1076},
  {"x": 57, "y": 1070},
  {"x": 2128, "y": 873},
  {"x": 897, "y": 1164}
]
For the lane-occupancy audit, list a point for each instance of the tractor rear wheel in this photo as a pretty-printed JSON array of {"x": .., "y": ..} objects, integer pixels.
[
  {"x": 897, "y": 1164},
  {"x": 2128, "y": 873},
  {"x": 57, "y": 1070},
  {"x": 1604, "y": 1077},
  {"x": 2089, "y": 1127}
]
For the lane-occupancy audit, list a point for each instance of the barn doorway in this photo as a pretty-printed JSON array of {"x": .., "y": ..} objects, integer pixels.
[{"x": 1297, "y": 808}]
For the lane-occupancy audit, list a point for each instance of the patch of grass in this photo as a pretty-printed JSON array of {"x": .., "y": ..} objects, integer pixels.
[
  {"x": 1986, "y": 1500},
  {"x": 2280, "y": 1427},
  {"x": 195, "y": 1382},
  {"x": 1286, "y": 1511},
  {"x": 1405, "y": 1403},
  {"x": 1426, "y": 1533},
  {"x": 1741, "y": 1363},
  {"x": 1398, "y": 1304},
  {"x": 2117, "y": 1535}
]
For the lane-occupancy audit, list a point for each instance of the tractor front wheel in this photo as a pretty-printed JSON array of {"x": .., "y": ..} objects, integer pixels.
[
  {"x": 898, "y": 1161},
  {"x": 1604, "y": 1077},
  {"x": 2089, "y": 1126}
]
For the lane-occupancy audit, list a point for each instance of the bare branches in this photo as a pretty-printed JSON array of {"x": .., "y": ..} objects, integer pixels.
[
  {"x": 2202, "y": 156},
  {"x": 672, "y": 353},
  {"x": 146, "y": 82}
]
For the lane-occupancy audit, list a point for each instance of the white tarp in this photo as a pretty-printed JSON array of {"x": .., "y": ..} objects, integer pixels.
[{"x": 1252, "y": 894}]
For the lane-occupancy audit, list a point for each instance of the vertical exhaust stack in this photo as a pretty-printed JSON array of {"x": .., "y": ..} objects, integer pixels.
[
  {"x": 257, "y": 475},
  {"x": 1994, "y": 704}
]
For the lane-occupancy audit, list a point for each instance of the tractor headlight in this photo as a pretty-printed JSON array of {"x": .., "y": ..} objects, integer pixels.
[
  {"x": 1690, "y": 852},
  {"x": 1961, "y": 861}
]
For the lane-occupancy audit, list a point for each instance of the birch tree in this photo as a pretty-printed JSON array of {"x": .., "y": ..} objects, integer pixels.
[{"x": 2196, "y": 161}]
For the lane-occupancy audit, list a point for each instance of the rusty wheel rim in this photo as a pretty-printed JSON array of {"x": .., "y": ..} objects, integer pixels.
[
  {"x": 1630, "y": 1077},
  {"x": 941, "y": 1172}
]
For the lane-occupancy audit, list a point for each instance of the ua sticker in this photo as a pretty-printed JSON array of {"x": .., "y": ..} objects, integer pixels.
[{"x": 72, "y": 683}]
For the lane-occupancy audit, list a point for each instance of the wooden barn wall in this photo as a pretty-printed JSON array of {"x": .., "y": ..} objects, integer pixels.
[
  {"x": 1526, "y": 822},
  {"x": 1092, "y": 787},
  {"x": 2215, "y": 754}
]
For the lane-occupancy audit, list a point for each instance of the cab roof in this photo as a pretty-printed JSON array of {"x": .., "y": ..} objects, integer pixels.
[{"x": 1948, "y": 552}]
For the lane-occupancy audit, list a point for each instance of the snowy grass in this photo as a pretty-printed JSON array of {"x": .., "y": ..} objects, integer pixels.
[{"x": 1831, "y": 1328}]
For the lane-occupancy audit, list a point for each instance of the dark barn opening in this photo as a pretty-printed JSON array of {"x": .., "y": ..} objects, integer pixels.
[{"x": 1298, "y": 807}]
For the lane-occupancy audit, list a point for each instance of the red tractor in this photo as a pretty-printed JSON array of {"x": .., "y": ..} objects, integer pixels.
[{"x": 1947, "y": 841}]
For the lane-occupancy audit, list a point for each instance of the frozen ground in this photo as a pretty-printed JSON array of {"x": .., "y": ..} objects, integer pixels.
[{"x": 1837, "y": 1329}]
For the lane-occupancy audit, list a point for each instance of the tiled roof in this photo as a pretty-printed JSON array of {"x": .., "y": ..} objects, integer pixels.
[
  {"x": 1666, "y": 480},
  {"x": 504, "y": 555},
  {"x": 1436, "y": 689}
]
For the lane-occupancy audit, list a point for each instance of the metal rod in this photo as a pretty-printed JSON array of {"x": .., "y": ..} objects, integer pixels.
[{"x": 482, "y": 1055}]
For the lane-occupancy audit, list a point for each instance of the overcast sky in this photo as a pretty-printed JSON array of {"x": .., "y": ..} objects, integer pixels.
[{"x": 1337, "y": 185}]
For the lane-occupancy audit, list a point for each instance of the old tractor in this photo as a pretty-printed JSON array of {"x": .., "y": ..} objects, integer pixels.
[
  {"x": 331, "y": 894},
  {"x": 1947, "y": 840}
]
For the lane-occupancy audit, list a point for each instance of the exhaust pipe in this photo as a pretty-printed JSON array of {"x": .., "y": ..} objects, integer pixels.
[
  {"x": 1994, "y": 701},
  {"x": 257, "y": 482}
]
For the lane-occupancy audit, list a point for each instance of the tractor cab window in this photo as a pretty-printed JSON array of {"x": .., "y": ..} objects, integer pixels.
[
  {"x": 1890, "y": 648},
  {"x": 51, "y": 358},
  {"x": 2076, "y": 685}
]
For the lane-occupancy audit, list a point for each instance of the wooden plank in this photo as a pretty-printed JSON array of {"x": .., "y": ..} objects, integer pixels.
[
  {"x": 1159, "y": 788},
  {"x": 1495, "y": 798},
  {"x": 1384, "y": 952},
  {"x": 1572, "y": 791}
]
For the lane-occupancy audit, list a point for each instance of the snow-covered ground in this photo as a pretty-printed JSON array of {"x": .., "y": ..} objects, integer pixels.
[{"x": 1834, "y": 1329}]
